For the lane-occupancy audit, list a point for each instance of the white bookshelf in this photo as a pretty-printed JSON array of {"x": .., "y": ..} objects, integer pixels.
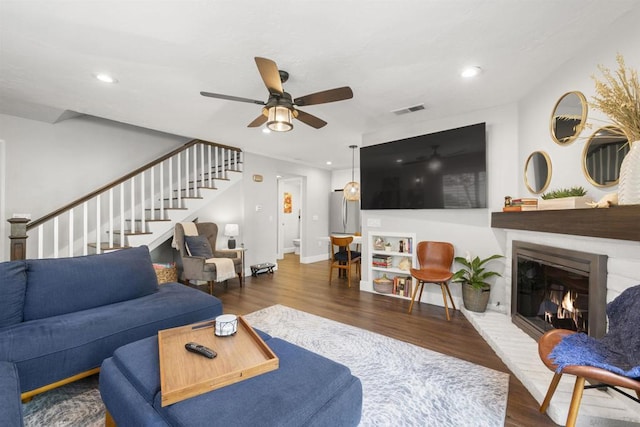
[{"x": 394, "y": 254}]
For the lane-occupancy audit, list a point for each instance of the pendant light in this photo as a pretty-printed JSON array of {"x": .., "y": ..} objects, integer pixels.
[{"x": 351, "y": 191}]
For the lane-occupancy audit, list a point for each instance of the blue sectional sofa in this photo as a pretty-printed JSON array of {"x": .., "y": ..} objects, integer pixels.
[{"x": 60, "y": 318}]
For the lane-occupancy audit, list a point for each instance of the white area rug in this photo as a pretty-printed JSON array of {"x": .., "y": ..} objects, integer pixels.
[{"x": 403, "y": 384}]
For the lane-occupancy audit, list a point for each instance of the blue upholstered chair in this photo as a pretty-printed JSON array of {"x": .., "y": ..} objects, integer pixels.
[{"x": 610, "y": 362}]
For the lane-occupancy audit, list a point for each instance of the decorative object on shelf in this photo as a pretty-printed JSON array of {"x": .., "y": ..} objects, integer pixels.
[
  {"x": 473, "y": 276},
  {"x": 618, "y": 96},
  {"x": 378, "y": 243},
  {"x": 507, "y": 200},
  {"x": 405, "y": 264},
  {"x": 231, "y": 231},
  {"x": 383, "y": 284},
  {"x": 387, "y": 247},
  {"x": 607, "y": 201},
  {"x": 565, "y": 198},
  {"x": 351, "y": 191}
]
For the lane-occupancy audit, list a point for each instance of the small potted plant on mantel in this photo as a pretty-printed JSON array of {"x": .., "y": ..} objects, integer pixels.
[
  {"x": 565, "y": 198},
  {"x": 473, "y": 276}
]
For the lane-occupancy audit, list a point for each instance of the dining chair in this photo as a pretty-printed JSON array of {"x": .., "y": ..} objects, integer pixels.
[
  {"x": 342, "y": 257},
  {"x": 434, "y": 259}
]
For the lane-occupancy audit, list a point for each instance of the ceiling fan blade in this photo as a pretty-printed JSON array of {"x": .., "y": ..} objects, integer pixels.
[
  {"x": 331, "y": 95},
  {"x": 259, "y": 121},
  {"x": 232, "y": 98},
  {"x": 310, "y": 120},
  {"x": 270, "y": 75}
]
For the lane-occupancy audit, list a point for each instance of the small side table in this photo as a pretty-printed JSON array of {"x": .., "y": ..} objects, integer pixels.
[{"x": 241, "y": 250}]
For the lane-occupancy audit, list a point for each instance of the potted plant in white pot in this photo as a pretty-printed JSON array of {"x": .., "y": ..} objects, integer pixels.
[{"x": 473, "y": 276}]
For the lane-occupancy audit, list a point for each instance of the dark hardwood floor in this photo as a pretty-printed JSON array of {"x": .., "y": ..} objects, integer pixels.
[{"x": 306, "y": 287}]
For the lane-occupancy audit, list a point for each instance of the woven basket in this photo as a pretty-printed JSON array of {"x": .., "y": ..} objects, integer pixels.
[
  {"x": 383, "y": 285},
  {"x": 166, "y": 274}
]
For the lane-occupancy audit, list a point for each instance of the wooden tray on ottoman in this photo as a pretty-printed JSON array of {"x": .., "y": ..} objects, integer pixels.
[{"x": 184, "y": 374}]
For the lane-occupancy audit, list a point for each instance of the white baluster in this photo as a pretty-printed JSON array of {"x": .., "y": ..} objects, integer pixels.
[
  {"x": 209, "y": 166},
  {"x": 122, "y": 218},
  {"x": 179, "y": 184},
  {"x": 55, "y": 237},
  {"x": 162, "y": 165},
  {"x": 152, "y": 192},
  {"x": 217, "y": 152},
  {"x": 111, "y": 218},
  {"x": 186, "y": 174},
  {"x": 132, "y": 207},
  {"x": 202, "y": 170},
  {"x": 98, "y": 228},
  {"x": 85, "y": 228},
  {"x": 70, "y": 253},
  {"x": 41, "y": 241},
  {"x": 195, "y": 171},
  {"x": 143, "y": 199}
]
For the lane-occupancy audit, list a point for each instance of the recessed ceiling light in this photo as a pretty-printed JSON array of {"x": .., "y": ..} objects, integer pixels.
[
  {"x": 329, "y": 162},
  {"x": 471, "y": 72},
  {"x": 105, "y": 78},
  {"x": 266, "y": 130}
]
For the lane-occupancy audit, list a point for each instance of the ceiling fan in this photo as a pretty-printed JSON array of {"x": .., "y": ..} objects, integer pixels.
[{"x": 280, "y": 108}]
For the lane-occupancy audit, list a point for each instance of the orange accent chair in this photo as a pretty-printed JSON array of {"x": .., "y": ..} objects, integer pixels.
[{"x": 435, "y": 259}]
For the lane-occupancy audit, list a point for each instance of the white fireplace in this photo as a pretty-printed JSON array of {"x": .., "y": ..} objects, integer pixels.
[{"x": 519, "y": 351}]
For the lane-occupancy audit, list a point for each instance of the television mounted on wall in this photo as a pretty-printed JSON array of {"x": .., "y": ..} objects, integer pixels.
[{"x": 441, "y": 170}]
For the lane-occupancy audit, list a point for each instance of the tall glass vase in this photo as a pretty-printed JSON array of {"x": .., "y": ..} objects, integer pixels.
[{"x": 629, "y": 183}]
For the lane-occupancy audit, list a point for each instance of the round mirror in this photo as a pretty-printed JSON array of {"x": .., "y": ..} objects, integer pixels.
[
  {"x": 603, "y": 154},
  {"x": 568, "y": 117},
  {"x": 537, "y": 172}
]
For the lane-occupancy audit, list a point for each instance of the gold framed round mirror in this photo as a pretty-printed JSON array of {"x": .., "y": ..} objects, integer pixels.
[
  {"x": 537, "y": 172},
  {"x": 568, "y": 117},
  {"x": 603, "y": 154}
]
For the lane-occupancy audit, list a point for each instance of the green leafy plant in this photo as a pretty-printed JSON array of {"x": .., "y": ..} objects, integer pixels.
[
  {"x": 565, "y": 192},
  {"x": 474, "y": 272}
]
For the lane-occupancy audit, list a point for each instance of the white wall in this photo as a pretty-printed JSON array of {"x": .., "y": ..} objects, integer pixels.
[
  {"x": 3, "y": 223},
  {"x": 535, "y": 108},
  {"x": 467, "y": 229},
  {"x": 261, "y": 204},
  {"x": 50, "y": 165}
]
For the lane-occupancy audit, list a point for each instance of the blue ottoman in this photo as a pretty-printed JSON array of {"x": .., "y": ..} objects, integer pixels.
[{"x": 306, "y": 390}]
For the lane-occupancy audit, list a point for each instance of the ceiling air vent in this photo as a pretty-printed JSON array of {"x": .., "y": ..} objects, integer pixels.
[{"x": 407, "y": 110}]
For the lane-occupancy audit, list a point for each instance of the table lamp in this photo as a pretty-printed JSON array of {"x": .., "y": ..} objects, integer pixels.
[{"x": 231, "y": 230}]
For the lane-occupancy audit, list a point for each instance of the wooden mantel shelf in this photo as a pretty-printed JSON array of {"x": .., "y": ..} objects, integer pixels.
[{"x": 619, "y": 222}]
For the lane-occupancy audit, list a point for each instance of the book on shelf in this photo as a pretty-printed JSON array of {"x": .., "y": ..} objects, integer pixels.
[
  {"x": 520, "y": 208},
  {"x": 402, "y": 285},
  {"x": 525, "y": 201}
]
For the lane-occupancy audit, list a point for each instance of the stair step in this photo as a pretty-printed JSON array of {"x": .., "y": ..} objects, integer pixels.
[
  {"x": 104, "y": 246},
  {"x": 131, "y": 233}
]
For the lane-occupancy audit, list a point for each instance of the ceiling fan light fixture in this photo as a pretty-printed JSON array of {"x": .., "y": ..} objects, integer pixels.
[{"x": 279, "y": 119}]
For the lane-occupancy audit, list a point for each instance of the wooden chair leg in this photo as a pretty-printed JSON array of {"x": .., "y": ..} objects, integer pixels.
[
  {"x": 330, "y": 273},
  {"x": 211, "y": 287},
  {"x": 578, "y": 389},
  {"x": 108, "y": 420},
  {"x": 413, "y": 297},
  {"x": 444, "y": 297},
  {"x": 453, "y": 304},
  {"x": 550, "y": 391},
  {"x": 349, "y": 274}
]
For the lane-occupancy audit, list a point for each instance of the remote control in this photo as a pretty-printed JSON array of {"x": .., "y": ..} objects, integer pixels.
[{"x": 200, "y": 349}]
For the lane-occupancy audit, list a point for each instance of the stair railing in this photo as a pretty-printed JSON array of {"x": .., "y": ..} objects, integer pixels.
[{"x": 103, "y": 218}]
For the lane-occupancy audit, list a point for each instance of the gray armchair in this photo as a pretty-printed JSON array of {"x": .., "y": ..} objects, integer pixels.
[{"x": 196, "y": 267}]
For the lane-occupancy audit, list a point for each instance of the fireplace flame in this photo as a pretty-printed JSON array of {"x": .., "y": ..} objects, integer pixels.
[{"x": 567, "y": 302}]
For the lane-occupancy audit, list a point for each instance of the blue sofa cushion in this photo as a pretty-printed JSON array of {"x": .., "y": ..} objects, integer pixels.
[
  {"x": 198, "y": 246},
  {"x": 10, "y": 405},
  {"x": 80, "y": 341},
  {"x": 67, "y": 285},
  {"x": 13, "y": 286}
]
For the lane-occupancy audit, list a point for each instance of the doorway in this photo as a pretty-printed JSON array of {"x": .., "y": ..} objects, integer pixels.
[{"x": 290, "y": 230}]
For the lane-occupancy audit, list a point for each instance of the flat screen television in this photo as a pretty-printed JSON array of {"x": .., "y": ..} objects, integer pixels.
[{"x": 442, "y": 170}]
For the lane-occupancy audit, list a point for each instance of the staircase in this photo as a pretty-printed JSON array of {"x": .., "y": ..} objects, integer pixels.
[{"x": 142, "y": 207}]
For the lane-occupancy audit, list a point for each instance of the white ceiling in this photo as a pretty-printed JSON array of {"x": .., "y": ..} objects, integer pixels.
[{"x": 392, "y": 53}]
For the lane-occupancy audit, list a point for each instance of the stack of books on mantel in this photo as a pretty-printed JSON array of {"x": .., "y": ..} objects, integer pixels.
[
  {"x": 383, "y": 261},
  {"x": 522, "y": 204}
]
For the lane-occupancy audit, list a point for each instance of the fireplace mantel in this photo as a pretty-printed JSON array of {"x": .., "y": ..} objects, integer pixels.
[{"x": 619, "y": 222}]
